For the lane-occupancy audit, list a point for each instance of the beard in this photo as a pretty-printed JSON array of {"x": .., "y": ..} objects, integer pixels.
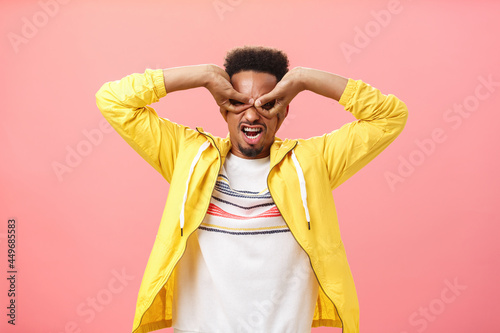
[{"x": 250, "y": 152}]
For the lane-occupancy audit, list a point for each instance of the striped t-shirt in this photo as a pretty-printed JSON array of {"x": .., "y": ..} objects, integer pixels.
[{"x": 243, "y": 271}]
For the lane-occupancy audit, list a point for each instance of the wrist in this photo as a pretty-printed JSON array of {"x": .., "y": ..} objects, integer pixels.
[
  {"x": 212, "y": 73},
  {"x": 305, "y": 78},
  {"x": 300, "y": 78}
]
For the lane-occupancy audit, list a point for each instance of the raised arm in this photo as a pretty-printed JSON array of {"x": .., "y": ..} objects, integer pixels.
[
  {"x": 125, "y": 104},
  {"x": 212, "y": 77},
  {"x": 380, "y": 118}
]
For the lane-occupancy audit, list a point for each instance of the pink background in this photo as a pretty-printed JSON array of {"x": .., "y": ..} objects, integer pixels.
[{"x": 431, "y": 225}]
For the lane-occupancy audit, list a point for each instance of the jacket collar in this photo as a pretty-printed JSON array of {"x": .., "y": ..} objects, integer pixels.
[{"x": 278, "y": 149}]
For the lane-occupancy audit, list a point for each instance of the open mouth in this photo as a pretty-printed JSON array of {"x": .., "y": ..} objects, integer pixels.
[{"x": 251, "y": 132}]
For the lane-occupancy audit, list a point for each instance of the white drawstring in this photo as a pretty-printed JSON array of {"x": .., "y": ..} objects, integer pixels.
[
  {"x": 303, "y": 191},
  {"x": 195, "y": 160}
]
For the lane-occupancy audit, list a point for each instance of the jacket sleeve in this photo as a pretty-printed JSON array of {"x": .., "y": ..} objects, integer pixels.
[
  {"x": 124, "y": 103},
  {"x": 380, "y": 119}
]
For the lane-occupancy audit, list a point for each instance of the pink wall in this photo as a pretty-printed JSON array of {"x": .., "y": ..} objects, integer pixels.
[{"x": 419, "y": 223}]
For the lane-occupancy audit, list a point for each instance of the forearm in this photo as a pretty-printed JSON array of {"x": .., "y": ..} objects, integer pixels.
[
  {"x": 323, "y": 83},
  {"x": 188, "y": 77},
  {"x": 362, "y": 100}
]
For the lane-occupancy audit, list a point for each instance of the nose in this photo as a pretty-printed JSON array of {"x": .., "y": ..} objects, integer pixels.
[{"x": 251, "y": 115}]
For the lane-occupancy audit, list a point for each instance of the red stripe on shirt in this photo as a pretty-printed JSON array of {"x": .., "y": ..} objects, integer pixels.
[{"x": 214, "y": 210}]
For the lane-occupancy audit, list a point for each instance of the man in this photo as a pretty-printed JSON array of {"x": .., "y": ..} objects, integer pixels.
[{"x": 249, "y": 239}]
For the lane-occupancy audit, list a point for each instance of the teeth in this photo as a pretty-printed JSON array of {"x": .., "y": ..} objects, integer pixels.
[
  {"x": 252, "y": 132},
  {"x": 248, "y": 129}
]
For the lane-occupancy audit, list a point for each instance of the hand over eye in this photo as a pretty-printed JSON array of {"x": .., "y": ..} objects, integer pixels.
[
  {"x": 276, "y": 101},
  {"x": 225, "y": 95}
]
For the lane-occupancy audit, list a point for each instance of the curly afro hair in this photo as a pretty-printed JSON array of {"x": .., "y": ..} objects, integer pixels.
[{"x": 256, "y": 58}]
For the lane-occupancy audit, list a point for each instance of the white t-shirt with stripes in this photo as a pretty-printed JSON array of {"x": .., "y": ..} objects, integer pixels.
[{"x": 243, "y": 271}]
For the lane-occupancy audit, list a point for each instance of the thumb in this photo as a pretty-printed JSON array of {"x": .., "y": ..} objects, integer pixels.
[
  {"x": 269, "y": 97},
  {"x": 235, "y": 95}
]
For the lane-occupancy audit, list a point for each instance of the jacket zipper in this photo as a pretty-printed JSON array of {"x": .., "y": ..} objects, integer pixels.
[
  {"x": 184, "y": 251},
  {"x": 310, "y": 263}
]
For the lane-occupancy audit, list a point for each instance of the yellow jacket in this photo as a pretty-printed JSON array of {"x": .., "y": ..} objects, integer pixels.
[{"x": 190, "y": 161}]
